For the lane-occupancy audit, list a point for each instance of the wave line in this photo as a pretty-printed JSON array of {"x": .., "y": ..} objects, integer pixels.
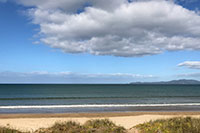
[{"x": 97, "y": 106}]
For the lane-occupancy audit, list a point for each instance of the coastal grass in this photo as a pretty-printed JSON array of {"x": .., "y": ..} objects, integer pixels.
[
  {"x": 172, "y": 125},
  {"x": 8, "y": 130},
  {"x": 91, "y": 126}
]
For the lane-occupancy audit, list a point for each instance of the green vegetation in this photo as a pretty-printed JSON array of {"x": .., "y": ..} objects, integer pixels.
[
  {"x": 91, "y": 126},
  {"x": 103, "y": 126},
  {"x": 8, "y": 130},
  {"x": 173, "y": 125},
  {"x": 71, "y": 127}
]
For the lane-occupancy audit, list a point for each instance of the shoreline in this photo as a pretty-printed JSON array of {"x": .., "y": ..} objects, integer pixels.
[
  {"x": 32, "y": 122},
  {"x": 94, "y": 114}
]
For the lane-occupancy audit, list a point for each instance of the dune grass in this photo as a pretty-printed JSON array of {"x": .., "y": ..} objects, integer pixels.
[
  {"x": 173, "y": 125},
  {"x": 8, "y": 130},
  {"x": 91, "y": 126},
  {"x": 106, "y": 126}
]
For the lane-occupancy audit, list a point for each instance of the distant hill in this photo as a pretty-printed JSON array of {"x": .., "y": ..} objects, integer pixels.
[{"x": 181, "y": 81}]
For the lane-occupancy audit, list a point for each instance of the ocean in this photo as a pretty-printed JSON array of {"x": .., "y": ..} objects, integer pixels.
[{"x": 76, "y": 98}]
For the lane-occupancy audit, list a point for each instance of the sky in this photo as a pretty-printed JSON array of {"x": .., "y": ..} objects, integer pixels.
[{"x": 99, "y": 41}]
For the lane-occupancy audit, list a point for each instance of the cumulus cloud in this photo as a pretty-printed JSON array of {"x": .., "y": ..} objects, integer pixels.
[
  {"x": 72, "y": 6},
  {"x": 70, "y": 77},
  {"x": 115, "y": 27},
  {"x": 190, "y": 64}
]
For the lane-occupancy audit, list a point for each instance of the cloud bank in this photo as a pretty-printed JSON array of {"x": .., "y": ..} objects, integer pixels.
[
  {"x": 115, "y": 27},
  {"x": 70, "y": 77},
  {"x": 190, "y": 64}
]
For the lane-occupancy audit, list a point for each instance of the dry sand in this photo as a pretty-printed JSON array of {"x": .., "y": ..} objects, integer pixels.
[{"x": 32, "y": 122}]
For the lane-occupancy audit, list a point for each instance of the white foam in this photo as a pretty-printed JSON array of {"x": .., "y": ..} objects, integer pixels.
[{"x": 97, "y": 106}]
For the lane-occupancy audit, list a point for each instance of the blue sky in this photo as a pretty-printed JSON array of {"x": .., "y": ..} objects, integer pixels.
[{"x": 91, "y": 42}]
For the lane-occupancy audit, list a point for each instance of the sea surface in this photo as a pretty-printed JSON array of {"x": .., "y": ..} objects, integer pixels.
[{"x": 71, "y": 98}]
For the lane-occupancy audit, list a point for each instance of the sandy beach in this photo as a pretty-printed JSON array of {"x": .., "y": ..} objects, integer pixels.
[{"x": 32, "y": 122}]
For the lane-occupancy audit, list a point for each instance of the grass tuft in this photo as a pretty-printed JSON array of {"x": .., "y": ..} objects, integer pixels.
[
  {"x": 69, "y": 127},
  {"x": 172, "y": 125},
  {"x": 103, "y": 126},
  {"x": 91, "y": 126},
  {"x": 8, "y": 130}
]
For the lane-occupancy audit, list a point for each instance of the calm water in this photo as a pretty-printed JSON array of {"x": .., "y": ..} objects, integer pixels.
[{"x": 49, "y": 98}]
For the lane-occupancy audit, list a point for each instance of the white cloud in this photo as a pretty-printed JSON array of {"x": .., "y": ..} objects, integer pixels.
[
  {"x": 116, "y": 27},
  {"x": 70, "y": 77},
  {"x": 190, "y": 64}
]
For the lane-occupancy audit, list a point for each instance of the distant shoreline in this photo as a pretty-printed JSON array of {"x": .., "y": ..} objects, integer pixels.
[{"x": 171, "y": 82}]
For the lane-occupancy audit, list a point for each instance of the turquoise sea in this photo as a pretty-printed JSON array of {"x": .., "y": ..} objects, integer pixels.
[{"x": 65, "y": 98}]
